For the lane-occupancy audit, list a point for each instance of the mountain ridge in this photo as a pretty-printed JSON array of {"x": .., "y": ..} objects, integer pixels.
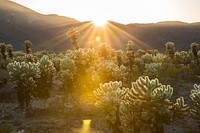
[{"x": 48, "y": 32}]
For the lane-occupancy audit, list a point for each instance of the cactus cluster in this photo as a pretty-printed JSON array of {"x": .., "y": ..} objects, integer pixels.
[
  {"x": 24, "y": 75},
  {"x": 195, "y": 96},
  {"x": 170, "y": 49},
  {"x": 73, "y": 33},
  {"x": 109, "y": 97},
  {"x": 44, "y": 83},
  {"x": 6, "y": 54},
  {"x": 146, "y": 104}
]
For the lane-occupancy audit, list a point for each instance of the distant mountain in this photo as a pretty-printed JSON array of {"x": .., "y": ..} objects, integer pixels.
[
  {"x": 48, "y": 32},
  {"x": 18, "y": 23},
  {"x": 156, "y": 35}
]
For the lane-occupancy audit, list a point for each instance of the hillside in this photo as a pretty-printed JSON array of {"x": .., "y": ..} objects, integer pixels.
[
  {"x": 156, "y": 35},
  {"x": 18, "y": 23}
]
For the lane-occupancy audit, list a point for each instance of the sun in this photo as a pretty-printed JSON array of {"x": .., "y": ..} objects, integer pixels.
[{"x": 100, "y": 21}]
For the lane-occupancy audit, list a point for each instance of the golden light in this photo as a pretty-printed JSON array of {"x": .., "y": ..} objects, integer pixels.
[
  {"x": 100, "y": 21},
  {"x": 86, "y": 126},
  {"x": 97, "y": 38}
]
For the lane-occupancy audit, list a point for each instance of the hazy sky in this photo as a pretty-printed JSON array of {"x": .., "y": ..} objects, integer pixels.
[{"x": 124, "y": 11}]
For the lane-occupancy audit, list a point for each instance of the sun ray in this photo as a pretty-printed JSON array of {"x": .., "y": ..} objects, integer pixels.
[
  {"x": 136, "y": 40},
  {"x": 109, "y": 33}
]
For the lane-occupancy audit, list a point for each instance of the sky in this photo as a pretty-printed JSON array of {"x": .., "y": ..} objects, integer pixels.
[{"x": 123, "y": 11}]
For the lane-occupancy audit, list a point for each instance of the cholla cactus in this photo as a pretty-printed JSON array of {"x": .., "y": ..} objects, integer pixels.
[
  {"x": 56, "y": 61},
  {"x": 148, "y": 106},
  {"x": 46, "y": 67},
  {"x": 47, "y": 70},
  {"x": 109, "y": 97},
  {"x": 170, "y": 49},
  {"x": 3, "y": 55},
  {"x": 29, "y": 58},
  {"x": 147, "y": 58},
  {"x": 130, "y": 54},
  {"x": 67, "y": 73},
  {"x": 130, "y": 45},
  {"x": 9, "y": 49},
  {"x": 19, "y": 56},
  {"x": 159, "y": 58},
  {"x": 105, "y": 50},
  {"x": 3, "y": 50},
  {"x": 109, "y": 70},
  {"x": 119, "y": 54},
  {"x": 194, "y": 49},
  {"x": 140, "y": 64},
  {"x": 73, "y": 33},
  {"x": 24, "y": 75},
  {"x": 27, "y": 45},
  {"x": 153, "y": 69},
  {"x": 195, "y": 96},
  {"x": 146, "y": 90},
  {"x": 139, "y": 53},
  {"x": 198, "y": 56}
]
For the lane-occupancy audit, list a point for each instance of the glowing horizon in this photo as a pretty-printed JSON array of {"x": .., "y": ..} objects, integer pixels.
[{"x": 126, "y": 11}]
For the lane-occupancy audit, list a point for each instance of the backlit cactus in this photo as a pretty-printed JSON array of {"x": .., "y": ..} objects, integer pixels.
[
  {"x": 24, "y": 75},
  {"x": 146, "y": 90},
  {"x": 170, "y": 49},
  {"x": 67, "y": 73},
  {"x": 73, "y": 33},
  {"x": 109, "y": 97},
  {"x": 143, "y": 108},
  {"x": 195, "y": 96},
  {"x": 44, "y": 83},
  {"x": 151, "y": 106},
  {"x": 27, "y": 45}
]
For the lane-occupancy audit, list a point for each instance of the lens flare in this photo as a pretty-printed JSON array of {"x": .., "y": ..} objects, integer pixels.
[{"x": 86, "y": 126}]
